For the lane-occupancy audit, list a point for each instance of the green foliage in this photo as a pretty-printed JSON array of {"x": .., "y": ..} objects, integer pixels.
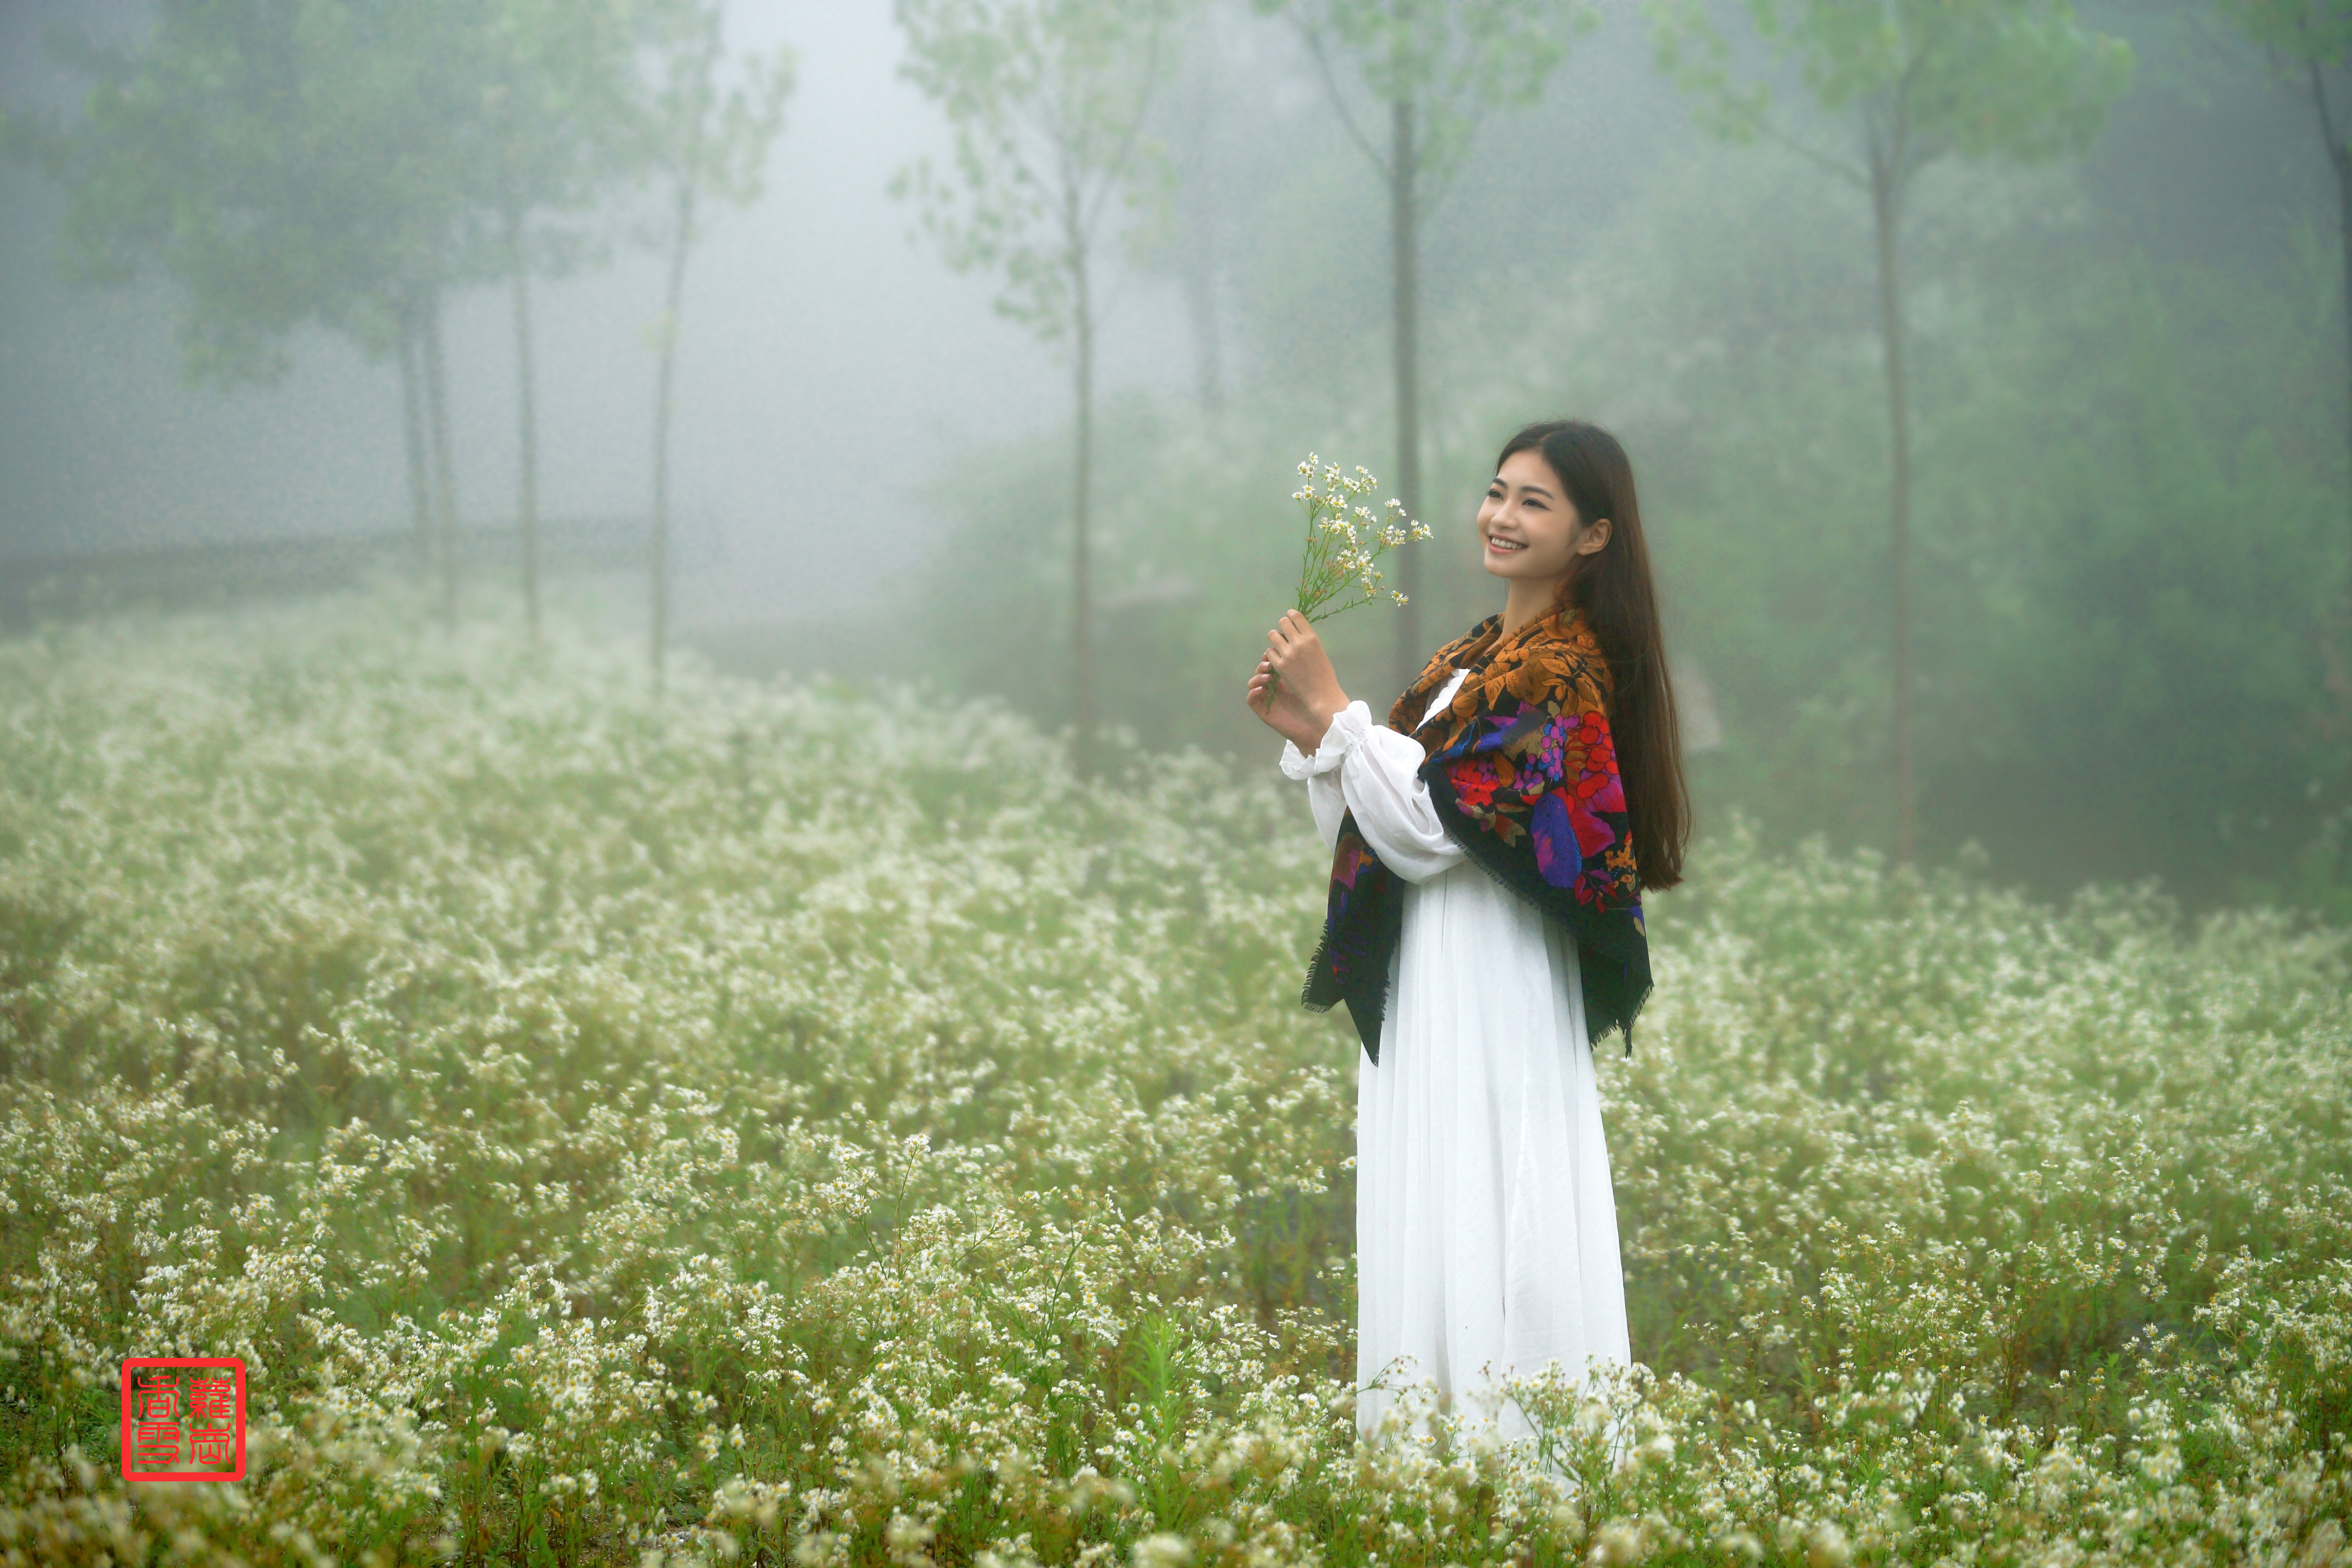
[
  {"x": 1454, "y": 62},
  {"x": 2125, "y": 553},
  {"x": 701, "y": 134},
  {"x": 2318, "y": 32},
  {"x": 333, "y": 162},
  {"x": 1198, "y": 556},
  {"x": 279, "y": 162},
  {"x": 1047, "y": 100},
  {"x": 2012, "y": 78},
  {"x": 2123, "y": 474},
  {"x": 609, "y": 1128},
  {"x": 2171, "y": 673},
  {"x": 558, "y": 108},
  {"x": 1918, "y": 80}
]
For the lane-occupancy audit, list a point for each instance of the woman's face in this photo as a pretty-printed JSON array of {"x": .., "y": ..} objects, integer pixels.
[{"x": 1527, "y": 526}]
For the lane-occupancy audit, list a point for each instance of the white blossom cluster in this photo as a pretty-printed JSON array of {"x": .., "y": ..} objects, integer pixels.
[
  {"x": 776, "y": 1126},
  {"x": 1345, "y": 540}
]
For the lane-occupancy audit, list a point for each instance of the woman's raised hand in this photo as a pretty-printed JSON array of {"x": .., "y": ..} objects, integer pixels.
[{"x": 1299, "y": 705}]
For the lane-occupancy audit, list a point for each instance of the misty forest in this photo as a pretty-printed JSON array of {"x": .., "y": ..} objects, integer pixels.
[{"x": 632, "y": 861}]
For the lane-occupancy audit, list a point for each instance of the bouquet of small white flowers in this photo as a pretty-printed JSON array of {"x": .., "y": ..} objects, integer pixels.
[{"x": 1344, "y": 540}]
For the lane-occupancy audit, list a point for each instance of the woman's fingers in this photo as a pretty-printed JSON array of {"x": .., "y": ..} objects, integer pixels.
[
  {"x": 1286, "y": 639},
  {"x": 1294, "y": 631}
]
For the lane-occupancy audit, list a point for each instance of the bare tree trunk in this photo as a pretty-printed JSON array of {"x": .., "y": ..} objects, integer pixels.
[
  {"x": 2338, "y": 635},
  {"x": 1200, "y": 249},
  {"x": 1082, "y": 682},
  {"x": 1405, "y": 273},
  {"x": 1200, "y": 307},
  {"x": 2344, "y": 217},
  {"x": 1886, "y": 208},
  {"x": 661, "y": 426},
  {"x": 411, "y": 418},
  {"x": 526, "y": 414},
  {"x": 436, "y": 398}
]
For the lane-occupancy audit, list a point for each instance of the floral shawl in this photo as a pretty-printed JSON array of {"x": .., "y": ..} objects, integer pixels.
[{"x": 1523, "y": 775}]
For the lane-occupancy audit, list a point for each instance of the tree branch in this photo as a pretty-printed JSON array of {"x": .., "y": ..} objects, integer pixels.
[
  {"x": 1113, "y": 172},
  {"x": 1338, "y": 101},
  {"x": 1434, "y": 181},
  {"x": 2337, "y": 153},
  {"x": 1907, "y": 161},
  {"x": 1843, "y": 170}
]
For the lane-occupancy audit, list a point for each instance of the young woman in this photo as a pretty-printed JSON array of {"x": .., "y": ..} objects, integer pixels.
[{"x": 1490, "y": 846}]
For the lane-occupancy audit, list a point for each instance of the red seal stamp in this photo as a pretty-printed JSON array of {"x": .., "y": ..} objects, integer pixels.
[{"x": 184, "y": 1418}]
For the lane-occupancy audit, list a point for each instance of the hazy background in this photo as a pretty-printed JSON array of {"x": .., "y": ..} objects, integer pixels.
[
  {"x": 828, "y": 367},
  {"x": 2128, "y": 404}
]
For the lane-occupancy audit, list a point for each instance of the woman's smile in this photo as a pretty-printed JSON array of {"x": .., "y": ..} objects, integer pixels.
[{"x": 1530, "y": 529}]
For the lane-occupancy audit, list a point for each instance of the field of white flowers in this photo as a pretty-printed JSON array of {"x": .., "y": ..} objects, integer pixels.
[{"x": 800, "y": 1126}]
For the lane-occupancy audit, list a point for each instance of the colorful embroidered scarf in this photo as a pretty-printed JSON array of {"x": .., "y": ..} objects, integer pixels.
[{"x": 1523, "y": 775}]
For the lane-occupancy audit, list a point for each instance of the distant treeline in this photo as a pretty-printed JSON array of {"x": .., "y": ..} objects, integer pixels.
[{"x": 2125, "y": 606}]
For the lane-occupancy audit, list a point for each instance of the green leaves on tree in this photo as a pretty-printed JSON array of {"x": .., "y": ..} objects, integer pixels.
[{"x": 1046, "y": 100}]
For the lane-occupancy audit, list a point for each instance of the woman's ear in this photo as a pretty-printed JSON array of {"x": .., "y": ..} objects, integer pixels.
[{"x": 1594, "y": 538}]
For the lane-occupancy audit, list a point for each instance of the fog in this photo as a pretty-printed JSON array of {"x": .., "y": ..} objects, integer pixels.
[
  {"x": 2127, "y": 413},
  {"x": 828, "y": 367}
]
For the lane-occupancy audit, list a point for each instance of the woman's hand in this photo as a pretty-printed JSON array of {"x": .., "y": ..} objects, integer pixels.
[{"x": 1300, "y": 705}]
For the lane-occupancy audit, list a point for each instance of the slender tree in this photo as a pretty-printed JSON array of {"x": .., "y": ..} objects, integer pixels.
[
  {"x": 412, "y": 430},
  {"x": 1435, "y": 68},
  {"x": 444, "y": 468},
  {"x": 2311, "y": 40},
  {"x": 707, "y": 140},
  {"x": 398, "y": 156},
  {"x": 1200, "y": 112},
  {"x": 560, "y": 75},
  {"x": 1913, "y": 81},
  {"x": 404, "y": 140},
  {"x": 1047, "y": 100}
]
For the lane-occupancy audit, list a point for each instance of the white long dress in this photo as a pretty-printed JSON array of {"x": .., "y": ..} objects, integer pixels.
[{"x": 1486, "y": 1224}]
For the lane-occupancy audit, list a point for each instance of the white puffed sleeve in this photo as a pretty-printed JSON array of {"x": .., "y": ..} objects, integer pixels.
[
  {"x": 1372, "y": 771},
  {"x": 1321, "y": 770}
]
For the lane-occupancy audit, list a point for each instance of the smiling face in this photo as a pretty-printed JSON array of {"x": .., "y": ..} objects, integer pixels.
[{"x": 1527, "y": 525}]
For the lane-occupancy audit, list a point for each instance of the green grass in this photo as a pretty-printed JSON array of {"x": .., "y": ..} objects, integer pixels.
[{"x": 809, "y": 1123}]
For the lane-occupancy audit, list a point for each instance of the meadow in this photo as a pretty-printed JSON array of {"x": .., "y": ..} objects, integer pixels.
[{"x": 805, "y": 1123}]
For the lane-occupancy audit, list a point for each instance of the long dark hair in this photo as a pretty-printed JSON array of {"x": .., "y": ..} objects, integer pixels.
[{"x": 1612, "y": 587}]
